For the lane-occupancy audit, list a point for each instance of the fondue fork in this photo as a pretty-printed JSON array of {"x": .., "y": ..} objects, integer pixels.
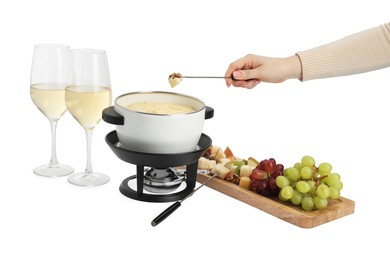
[
  {"x": 206, "y": 77},
  {"x": 175, "y": 78},
  {"x": 177, "y": 204},
  {"x": 176, "y": 75}
]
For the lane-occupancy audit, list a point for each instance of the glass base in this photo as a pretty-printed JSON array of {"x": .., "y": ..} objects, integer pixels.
[
  {"x": 88, "y": 179},
  {"x": 53, "y": 170}
]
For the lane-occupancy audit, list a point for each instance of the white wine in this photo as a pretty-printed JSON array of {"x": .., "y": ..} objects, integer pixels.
[
  {"x": 86, "y": 103},
  {"x": 49, "y": 98}
]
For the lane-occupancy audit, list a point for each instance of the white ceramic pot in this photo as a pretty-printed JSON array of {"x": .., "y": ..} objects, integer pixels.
[{"x": 158, "y": 133}]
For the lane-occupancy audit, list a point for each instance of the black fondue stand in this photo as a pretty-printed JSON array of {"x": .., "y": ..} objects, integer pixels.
[{"x": 157, "y": 161}]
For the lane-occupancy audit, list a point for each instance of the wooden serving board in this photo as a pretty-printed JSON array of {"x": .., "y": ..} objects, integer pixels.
[{"x": 295, "y": 215}]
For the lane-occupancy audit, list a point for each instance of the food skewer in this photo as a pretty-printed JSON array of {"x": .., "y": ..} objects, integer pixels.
[
  {"x": 205, "y": 77},
  {"x": 175, "y": 78},
  {"x": 177, "y": 204}
]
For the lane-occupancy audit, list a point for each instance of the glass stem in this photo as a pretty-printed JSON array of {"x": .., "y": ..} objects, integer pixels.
[
  {"x": 88, "y": 134},
  {"x": 53, "y": 159}
]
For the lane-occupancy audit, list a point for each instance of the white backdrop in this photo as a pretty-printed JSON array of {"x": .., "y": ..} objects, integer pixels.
[{"x": 342, "y": 120}]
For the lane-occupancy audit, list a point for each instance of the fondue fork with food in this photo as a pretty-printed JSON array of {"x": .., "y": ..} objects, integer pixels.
[{"x": 175, "y": 78}]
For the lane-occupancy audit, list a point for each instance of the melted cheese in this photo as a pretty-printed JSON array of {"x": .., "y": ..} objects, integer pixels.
[{"x": 160, "y": 108}]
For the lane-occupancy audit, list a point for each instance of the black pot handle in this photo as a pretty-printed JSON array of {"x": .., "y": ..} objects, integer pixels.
[
  {"x": 209, "y": 113},
  {"x": 112, "y": 117}
]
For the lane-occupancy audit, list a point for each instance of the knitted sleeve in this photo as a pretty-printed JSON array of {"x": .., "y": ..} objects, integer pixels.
[{"x": 361, "y": 52}]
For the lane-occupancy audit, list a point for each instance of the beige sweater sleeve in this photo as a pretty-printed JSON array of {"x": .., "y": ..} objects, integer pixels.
[{"x": 361, "y": 52}]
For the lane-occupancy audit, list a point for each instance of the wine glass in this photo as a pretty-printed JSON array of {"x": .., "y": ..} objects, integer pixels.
[
  {"x": 49, "y": 77},
  {"x": 86, "y": 97}
]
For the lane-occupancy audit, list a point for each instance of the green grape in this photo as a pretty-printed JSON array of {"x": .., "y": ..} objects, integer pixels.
[
  {"x": 324, "y": 168},
  {"x": 296, "y": 198},
  {"x": 323, "y": 191},
  {"x": 320, "y": 203},
  {"x": 292, "y": 173},
  {"x": 307, "y": 203},
  {"x": 307, "y": 172},
  {"x": 302, "y": 186},
  {"x": 298, "y": 165},
  {"x": 308, "y": 161},
  {"x": 338, "y": 186},
  {"x": 282, "y": 181},
  {"x": 281, "y": 198},
  {"x": 293, "y": 184},
  {"x": 238, "y": 165},
  {"x": 287, "y": 192},
  {"x": 312, "y": 185},
  {"x": 322, "y": 173},
  {"x": 309, "y": 186},
  {"x": 334, "y": 193},
  {"x": 332, "y": 179}
]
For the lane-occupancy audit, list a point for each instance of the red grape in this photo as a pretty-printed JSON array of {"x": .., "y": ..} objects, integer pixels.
[
  {"x": 261, "y": 165},
  {"x": 272, "y": 183},
  {"x": 263, "y": 177},
  {"x": 258, "y": 174},
  {"x": 279, "y": 167},
  {"x": 269, "y": 166},
  {"x": 262, "y": 187},
  {"x": 275, "y": 174}
]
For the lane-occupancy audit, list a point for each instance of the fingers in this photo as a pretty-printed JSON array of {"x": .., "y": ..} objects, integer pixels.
[
  {"x": 243, "y": 75},
  {"x": 245, "y": 78},
  {"x": 241, "y": 78},
  {"x": 238, "y": 64},
  {"x": 244, "y": 69},
  {"x": 246, "y": 83}
]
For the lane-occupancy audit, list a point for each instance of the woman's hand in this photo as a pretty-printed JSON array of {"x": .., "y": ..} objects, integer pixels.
[{"x": 250, "y": 70}]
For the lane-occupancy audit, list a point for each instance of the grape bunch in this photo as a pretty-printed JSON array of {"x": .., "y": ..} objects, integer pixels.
[
  {"x": 309, "y": 186},
  {"x": 263, "y": 177}
]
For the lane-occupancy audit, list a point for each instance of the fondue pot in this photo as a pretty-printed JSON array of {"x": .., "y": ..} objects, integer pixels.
[{"x": 158, "y": 133}]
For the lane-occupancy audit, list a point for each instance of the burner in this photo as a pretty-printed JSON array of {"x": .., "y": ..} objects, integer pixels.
[
  {"x": 163, "y": 180},
  {"x": 160, "y": 178}
]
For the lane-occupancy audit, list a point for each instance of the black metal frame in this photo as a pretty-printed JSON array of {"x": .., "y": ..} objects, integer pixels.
[{"x": 159, "y": 161}]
